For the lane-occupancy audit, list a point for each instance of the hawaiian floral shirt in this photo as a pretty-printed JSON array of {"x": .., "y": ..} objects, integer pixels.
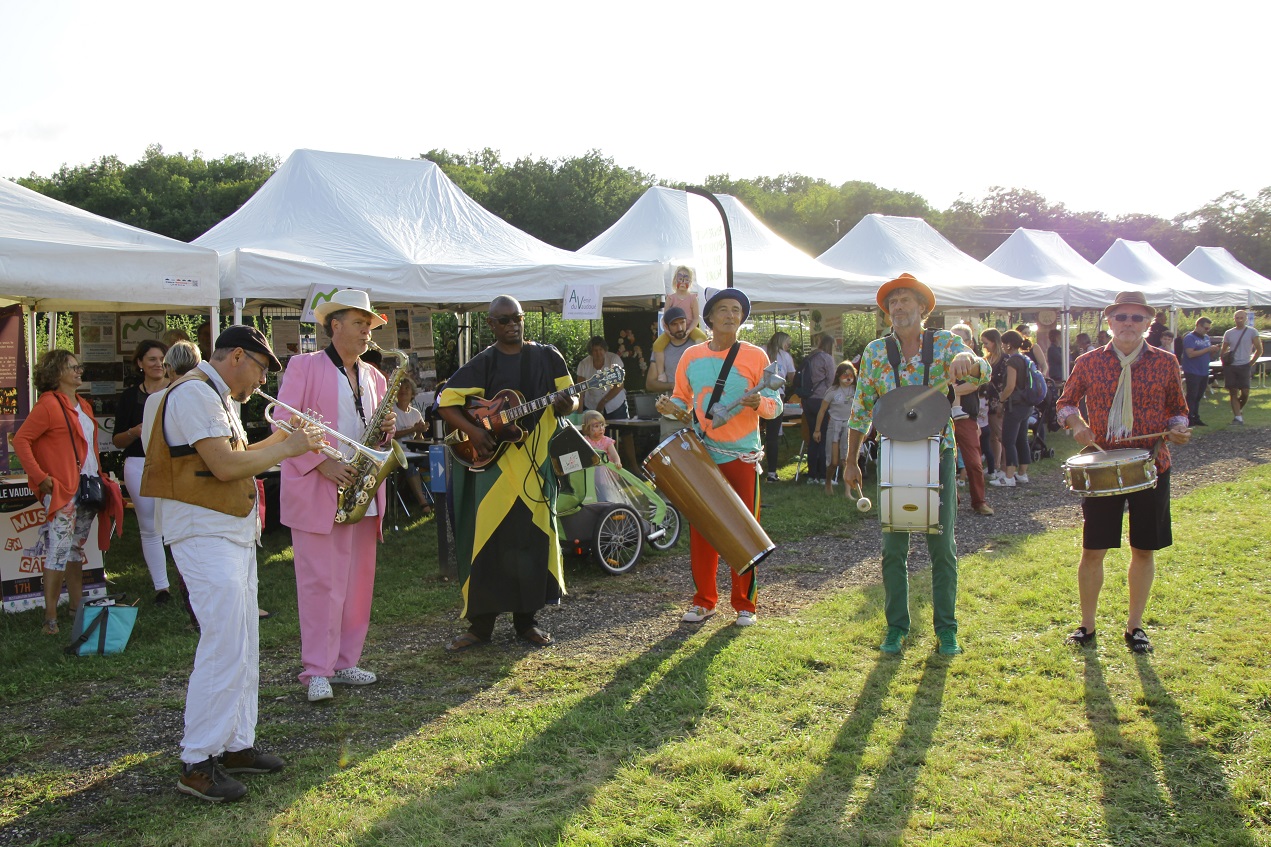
[
  {"x": 875, "y": 377},
  {"x": 1156, "y": 394}
]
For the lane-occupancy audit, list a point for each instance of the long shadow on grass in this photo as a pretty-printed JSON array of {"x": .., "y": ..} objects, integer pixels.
[
  {"x": 1205, "y": 810},
  {"x": 531, "y": 795},
  {"x": 1136, "y": 811},
  {"x": 821, "y": 805}
]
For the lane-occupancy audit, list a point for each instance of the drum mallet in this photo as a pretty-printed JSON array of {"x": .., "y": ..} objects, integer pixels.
[{"x": 863, "y": 504}]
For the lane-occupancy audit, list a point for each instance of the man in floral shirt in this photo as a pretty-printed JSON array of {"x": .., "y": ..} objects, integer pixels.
[
  {"x": 906, "y": 302},
  {"x": 1128, "y": 387}
]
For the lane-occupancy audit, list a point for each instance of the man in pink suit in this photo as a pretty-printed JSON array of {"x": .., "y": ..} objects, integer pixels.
[{"x": 335, "y": 563}]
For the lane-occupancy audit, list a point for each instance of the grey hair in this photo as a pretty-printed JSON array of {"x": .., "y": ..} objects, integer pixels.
[{"x": 182, "y": 357}]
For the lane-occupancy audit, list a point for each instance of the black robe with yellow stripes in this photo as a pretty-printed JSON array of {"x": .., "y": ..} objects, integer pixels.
[{"x": 506, "y": 534}]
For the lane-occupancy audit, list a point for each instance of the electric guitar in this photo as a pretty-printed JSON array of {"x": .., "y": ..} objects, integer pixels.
[{"x": 500, "y": 413}]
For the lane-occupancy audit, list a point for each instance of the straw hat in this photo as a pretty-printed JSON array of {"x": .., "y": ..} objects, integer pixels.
[
  {"x": 349, "y": 298},
  {"x": 904, "y": 281}
]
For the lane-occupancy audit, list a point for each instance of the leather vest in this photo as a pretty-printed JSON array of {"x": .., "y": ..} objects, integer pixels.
[{"x": 178, "y": 472}]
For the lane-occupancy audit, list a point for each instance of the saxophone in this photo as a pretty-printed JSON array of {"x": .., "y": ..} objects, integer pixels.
[{"x": 353, "y": 500}]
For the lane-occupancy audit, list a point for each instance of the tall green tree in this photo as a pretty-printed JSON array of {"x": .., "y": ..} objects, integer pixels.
[{"x": 172, "y": 194}]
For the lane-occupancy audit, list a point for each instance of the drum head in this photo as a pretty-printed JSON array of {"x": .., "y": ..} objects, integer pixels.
[
  {"x": 911, "y": 412},
  {"x": 1096, "y": 459}
]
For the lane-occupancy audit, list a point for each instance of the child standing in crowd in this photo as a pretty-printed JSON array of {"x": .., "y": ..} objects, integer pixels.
[
  {"x": 686, "y": 300},
  {"x": 838, "y": 403},
  {"x": 594, "y": 432}
]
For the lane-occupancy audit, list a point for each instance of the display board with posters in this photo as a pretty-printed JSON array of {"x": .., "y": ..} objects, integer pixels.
[{"x": 22, "y": 556}]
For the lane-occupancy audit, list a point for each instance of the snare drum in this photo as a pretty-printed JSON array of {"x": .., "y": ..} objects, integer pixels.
[
  {"x": 909, "y": 485},
  {"x": 1111, "y": 472},
  {"x": 683, "y": 471}
]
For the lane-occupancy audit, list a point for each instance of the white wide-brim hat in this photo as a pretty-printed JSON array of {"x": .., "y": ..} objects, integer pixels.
[{"x": 349, "y": 298}]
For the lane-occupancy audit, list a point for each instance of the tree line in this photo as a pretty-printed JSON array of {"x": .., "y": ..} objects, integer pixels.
[{"x": 570, "y": 200}]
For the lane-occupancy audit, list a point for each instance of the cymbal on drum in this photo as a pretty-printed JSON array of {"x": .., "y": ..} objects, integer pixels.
[{"x": 911, "y": 412}]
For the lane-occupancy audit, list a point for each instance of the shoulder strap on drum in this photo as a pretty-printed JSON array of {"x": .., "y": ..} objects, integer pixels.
[
  {"x": 723, "y": 375},
  {"x": 928, "y": 355}
]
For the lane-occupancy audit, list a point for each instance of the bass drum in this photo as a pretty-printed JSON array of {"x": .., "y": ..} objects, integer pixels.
[
  {"x": 683, "y": 471},
  {"x": 909, "y": 485}
]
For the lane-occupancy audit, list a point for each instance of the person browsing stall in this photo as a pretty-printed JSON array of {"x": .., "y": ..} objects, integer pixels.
[
  {"x": 734, "y": 445},
  {"x": 335, "y": 562},
  {"x": 201, "y": 471},
  {"x": 612, "y": 402},
  {"x": 1130, "y": 388},
  {"x": 906, "y": 303},
  {"x": 506, "y": 539}
]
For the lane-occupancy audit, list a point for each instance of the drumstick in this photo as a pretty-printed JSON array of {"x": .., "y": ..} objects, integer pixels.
[
  {"x": 1149, "y": 435},
  {"x": 863, "y": 504}
]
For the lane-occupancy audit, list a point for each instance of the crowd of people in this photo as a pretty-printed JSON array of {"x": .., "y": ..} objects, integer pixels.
[{"x": 191, "y": 473}]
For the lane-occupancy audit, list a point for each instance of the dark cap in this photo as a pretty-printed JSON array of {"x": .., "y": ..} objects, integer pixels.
[
  {"x": 673, "y": 314},
  {"x": 250, "y": 339},
  {"x": 715, "y": 296}
]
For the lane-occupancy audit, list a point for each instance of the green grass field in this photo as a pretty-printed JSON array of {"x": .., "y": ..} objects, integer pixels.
[{"x": 794, "y": 732}]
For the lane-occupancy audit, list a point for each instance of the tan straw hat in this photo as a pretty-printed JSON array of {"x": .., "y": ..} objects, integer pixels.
[{"x": 349, "y": 298}]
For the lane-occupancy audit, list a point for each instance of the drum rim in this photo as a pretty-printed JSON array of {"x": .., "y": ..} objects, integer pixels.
[{"x": 1108, "y": 458}]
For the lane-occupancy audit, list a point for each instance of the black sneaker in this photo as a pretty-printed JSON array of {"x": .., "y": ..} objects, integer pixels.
[
  {"x": 1137, "y": 641},
  {"x": 207, "y": 781},
  {"x": 162, "y": 597},
  {"x": 250, "y": 760}
]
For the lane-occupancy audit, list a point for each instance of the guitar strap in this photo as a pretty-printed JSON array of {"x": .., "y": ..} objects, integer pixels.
[{"x": 719, "y": 383}]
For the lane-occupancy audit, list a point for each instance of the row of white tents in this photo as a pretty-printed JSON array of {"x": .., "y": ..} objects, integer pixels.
[{"x": 403, "y": 231}]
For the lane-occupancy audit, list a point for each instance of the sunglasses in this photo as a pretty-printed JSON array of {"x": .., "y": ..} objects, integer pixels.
[
  {"x": 504, "y": 320},
  {"x": 1124, "y": 318}
]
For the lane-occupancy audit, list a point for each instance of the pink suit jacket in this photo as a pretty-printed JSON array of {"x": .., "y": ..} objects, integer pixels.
[{"x": 307, "y": 500}]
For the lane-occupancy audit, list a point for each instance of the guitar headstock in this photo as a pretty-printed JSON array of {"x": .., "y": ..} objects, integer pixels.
[{"x": 608, "y": 378}]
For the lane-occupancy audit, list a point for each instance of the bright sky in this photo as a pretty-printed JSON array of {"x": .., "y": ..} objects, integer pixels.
[{"x": 1115, "y": 106}]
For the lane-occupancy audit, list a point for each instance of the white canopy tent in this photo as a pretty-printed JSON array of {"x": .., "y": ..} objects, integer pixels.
[
  {"x": 57, "y": 258},
  {"x": 1044, "y": 257},
  {"x": 1216, "y": 266},
  {"x": 1139, "y": 265},
  {"x": 886, "y": 246},
  {"x": 775, "y": 274},
  {"x": 401, "y": 230}
]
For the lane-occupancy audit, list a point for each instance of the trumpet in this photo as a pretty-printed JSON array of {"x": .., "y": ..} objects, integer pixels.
[{"x": 376, "y": 457}]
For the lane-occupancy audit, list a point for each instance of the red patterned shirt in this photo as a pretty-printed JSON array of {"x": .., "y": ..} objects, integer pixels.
[{"x": 1156, "y": 394}]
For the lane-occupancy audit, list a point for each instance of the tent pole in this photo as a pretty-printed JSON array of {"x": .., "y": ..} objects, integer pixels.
[
  {"x": 239, "y": 303},
  {"x": 214, "y": 319},
  {"x": 52, "y": 331},
  {"x": 30, "y": 359}
]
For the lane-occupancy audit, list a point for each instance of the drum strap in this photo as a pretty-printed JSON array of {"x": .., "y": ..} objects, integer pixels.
[
  {"x": 928, "y": 354},
  {"x": 723, "y": 375}
]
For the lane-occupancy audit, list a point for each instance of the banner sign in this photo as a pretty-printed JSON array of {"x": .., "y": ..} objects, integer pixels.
[
  {"x": 13, "y": 379},
  {"x": 317, "y": 294},
  {"x": 582, "y": 303}
]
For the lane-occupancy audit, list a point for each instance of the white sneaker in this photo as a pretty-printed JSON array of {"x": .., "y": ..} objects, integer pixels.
[
  {"x": 746, "y": 618},
  {"x": 319, "y": 689},
  {"x": 961, "y": 483},
  {"x": 697, "y": 614},
  {"x": 1021, "y": 477},
  {"x": 353, "y": 676},
  {"x": 1004, "y": 482}
]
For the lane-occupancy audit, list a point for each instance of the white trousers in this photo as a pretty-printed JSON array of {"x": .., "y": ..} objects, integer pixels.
[
  {"x": 222, "y": 700},
  {"x": 151, "y": 541}
]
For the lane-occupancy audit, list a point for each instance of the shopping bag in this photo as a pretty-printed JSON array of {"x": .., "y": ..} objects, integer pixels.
[{"x": 102, "y": 628}]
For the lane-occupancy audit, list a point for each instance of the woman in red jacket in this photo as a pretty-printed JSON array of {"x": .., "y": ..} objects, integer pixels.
[{"x": 57, "y": 443}]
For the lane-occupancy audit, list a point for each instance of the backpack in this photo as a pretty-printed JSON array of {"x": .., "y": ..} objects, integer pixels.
[
  {"x": 1035, "y": 391},
  {"x": 801, "y": 383}
]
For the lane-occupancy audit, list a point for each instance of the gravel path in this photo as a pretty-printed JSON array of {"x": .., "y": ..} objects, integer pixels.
[{"x": 600, "y": 620}]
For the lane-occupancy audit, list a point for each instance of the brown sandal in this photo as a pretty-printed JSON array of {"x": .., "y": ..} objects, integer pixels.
[
  {"x": 466, "y": 641},
  {"x": 50, "y": 626}
]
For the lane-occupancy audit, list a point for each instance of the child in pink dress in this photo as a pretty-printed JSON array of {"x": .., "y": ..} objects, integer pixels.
[
  {"x": 594, "y": 431},
  {"x": 686, "y": 300}
]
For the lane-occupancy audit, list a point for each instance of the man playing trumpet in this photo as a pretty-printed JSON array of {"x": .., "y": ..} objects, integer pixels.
[{"x": 335, "y": 562}]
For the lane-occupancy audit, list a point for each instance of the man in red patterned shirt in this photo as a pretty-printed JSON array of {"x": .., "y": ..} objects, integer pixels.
[{"x": 1128, "y": 387}]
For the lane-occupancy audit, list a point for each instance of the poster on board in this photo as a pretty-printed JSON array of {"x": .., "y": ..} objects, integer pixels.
[
  {"x": 135, "y": 327},
  {"x": 95, "y": 332}
]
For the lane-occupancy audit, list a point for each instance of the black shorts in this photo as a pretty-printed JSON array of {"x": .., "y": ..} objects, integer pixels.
[
  {"x": 1236, "y": 376},
  {"x": 1149, "y": 519}
]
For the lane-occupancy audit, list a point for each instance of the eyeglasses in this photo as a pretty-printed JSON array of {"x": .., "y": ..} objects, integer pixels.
[
  {"x": 79, "y": 369},
  {"x": 504, "y": 320},
  {"x": 263, "y": 368},
  {"x": 1124, "y": 318}
]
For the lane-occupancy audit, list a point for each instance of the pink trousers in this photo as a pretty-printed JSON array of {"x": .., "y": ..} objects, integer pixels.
[{"x": 335, "y": 580}]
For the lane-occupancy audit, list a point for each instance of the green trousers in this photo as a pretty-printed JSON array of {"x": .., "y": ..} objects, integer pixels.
[{"x": 944, "y": 561}]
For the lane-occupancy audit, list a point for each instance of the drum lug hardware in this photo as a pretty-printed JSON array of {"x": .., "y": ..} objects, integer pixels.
[{"x": 666, "y": 460}]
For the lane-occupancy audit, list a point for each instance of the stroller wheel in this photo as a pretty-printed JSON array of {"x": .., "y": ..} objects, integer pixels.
[
  {"x": 670, "y": 523},
  {"x": 619, "y": 540},
  {"x": 1037, "y": 456}
]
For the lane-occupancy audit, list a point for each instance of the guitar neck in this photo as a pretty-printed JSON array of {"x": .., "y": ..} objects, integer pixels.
[{"x": 518, "y": 412}]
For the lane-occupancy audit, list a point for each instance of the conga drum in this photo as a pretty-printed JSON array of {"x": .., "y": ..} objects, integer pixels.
[{"x": 682, "y": 470}]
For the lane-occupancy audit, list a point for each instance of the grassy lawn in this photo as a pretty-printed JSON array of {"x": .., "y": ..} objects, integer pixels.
[{"x": 793, "y": 732}]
